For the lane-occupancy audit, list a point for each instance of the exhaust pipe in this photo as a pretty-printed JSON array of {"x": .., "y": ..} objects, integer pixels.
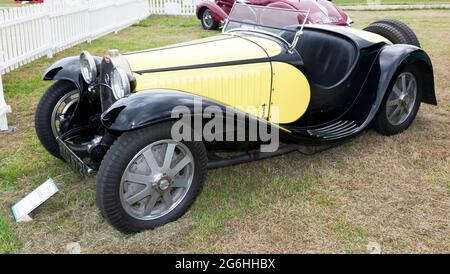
[{"x": 218, "y": 162}]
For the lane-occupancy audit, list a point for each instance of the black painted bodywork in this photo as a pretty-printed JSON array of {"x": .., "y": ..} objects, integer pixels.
[
  {"x": 347, "y": 105},
  {"x": 67, "y": 69}
]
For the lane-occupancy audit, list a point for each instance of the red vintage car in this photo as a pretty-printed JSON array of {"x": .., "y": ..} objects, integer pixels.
[
  {"x": 212, "y": 13},
  {"x": 29, "y": 1}
]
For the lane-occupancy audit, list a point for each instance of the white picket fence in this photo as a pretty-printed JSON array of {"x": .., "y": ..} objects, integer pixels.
[
  {"x": 4, "y": 108},
  {"x": 33, "y": 31},
  {"x": 173, "y": 7}
]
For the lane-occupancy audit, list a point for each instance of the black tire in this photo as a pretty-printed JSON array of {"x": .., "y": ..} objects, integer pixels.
[
  {"x": 407, "y": 32},
  {"x": 387, "y": 31},
  {"x": 44, "y": 113},
  {"x": 213, "y": 26},
  {"x": 114, "y": 164},
  {"x": 381, "y": 123}
]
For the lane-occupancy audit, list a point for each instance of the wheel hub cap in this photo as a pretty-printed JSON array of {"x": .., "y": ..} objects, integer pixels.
[
  {"x": 61, "y": 111},
  {"x": 402, "y": 99},
  {"x": 157, "y": 179},
  {"x": 208, "y": 19},
  {"x": 163, "y": 183}
]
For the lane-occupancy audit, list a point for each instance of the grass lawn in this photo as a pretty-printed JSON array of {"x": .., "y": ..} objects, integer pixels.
[
  {"x": 8, "y": 3},
  {"x": 394, "y": 191}
]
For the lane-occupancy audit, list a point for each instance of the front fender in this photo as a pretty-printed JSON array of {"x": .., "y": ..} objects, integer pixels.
[
  {"x": 66, "y": 69},
  {"x": 217, "y": 12},
  {"x": 150, "y": 107}
]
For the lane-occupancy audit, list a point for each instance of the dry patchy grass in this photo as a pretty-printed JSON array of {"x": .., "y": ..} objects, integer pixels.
[{"x": 394, "y": 191}]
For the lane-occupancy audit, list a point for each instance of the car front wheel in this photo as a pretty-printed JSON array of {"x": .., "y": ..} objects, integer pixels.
[
  {"x": 401, "y": 103},
  {"x": 147, "y": 179},
  {"x": 208, "y": 22},
  {"x": 54, "y": 110}
]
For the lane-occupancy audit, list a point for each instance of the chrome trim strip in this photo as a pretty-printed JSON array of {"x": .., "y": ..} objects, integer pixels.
[{"x": 327, "y": 127}]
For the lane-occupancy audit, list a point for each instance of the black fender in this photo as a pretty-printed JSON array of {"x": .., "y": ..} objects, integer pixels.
[
  {"x": 395, "y": 58},
  {"x": 66, "y": 69},
  {"x": 392, "y": 60},
  {"x": 146, "y": 108}
]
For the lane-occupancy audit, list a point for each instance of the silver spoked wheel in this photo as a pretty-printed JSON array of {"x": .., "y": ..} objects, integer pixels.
[
  {"x": 401, "y": 101},
  {"x": 157, "y": 180},
  {"x": 61, "y": 111},
  {"x": 207, "y": 19}
]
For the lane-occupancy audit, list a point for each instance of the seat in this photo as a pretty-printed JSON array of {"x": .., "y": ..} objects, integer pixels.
[{"x": 327, "y": 57}]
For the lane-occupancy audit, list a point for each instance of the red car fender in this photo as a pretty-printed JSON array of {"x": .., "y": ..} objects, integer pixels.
[
  {"x": 342, "y": 13},
  {"x": 217, "y": 12},
  {"x": 317, "y": 8},
  {"x": 286, "y": 5},
  {"x": 316, "y": 13}
]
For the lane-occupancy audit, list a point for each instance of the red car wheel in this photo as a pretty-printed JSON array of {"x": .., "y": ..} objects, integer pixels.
[{"x": 208, "y": 22}]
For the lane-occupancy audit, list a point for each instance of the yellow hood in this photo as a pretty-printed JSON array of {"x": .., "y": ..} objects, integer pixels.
[
  {"x": 246, "y": 86},
  {"x": 220, "y": 48}
]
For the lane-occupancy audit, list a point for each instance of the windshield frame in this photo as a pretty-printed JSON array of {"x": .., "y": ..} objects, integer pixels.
[{"x": 297, "y": 34}]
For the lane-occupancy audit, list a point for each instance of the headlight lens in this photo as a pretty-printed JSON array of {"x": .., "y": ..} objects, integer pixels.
[
  {"x": 88, "y": 67},
  {"x": 120, "y": 83}
]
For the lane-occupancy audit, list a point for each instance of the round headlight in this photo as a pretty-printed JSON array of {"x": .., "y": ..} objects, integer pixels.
[
  {"x": 120, "y": 83},
  {"x": 88, "y": 67}
]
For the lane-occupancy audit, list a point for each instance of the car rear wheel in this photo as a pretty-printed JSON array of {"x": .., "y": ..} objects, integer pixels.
[
  {"x": 395, "y": 31},
  {"x": 147, "y": 179},
  {"x": 208, "y": 22},
  {"x": 408, "y": 33},
  {"x": 401, "y": 103}
]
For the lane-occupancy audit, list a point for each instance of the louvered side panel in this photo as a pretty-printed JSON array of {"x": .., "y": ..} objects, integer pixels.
[{"x": 245, "y": 87}]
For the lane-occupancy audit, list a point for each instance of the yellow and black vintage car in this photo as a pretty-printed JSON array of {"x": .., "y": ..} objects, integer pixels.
[{"x": 315, "y": 86}]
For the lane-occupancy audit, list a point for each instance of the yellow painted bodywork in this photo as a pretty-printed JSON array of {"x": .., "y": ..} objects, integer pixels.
[
  {"x": 229, "y": 48},
  {"x": 291, "y": 93},
  {"x": 271, "y": 47},
  {"x": 255, "y": 88},
  {"x": 193, "y": 42},
  {"x": 245, "y": 87},
  {"x": 366, "y": 35}
]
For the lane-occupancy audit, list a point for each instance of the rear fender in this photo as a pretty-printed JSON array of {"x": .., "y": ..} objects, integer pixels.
[{"x": 392, "y": 60}]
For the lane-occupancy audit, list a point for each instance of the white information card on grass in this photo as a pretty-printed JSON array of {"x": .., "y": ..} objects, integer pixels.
[{"x": 34, "y": 199}]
